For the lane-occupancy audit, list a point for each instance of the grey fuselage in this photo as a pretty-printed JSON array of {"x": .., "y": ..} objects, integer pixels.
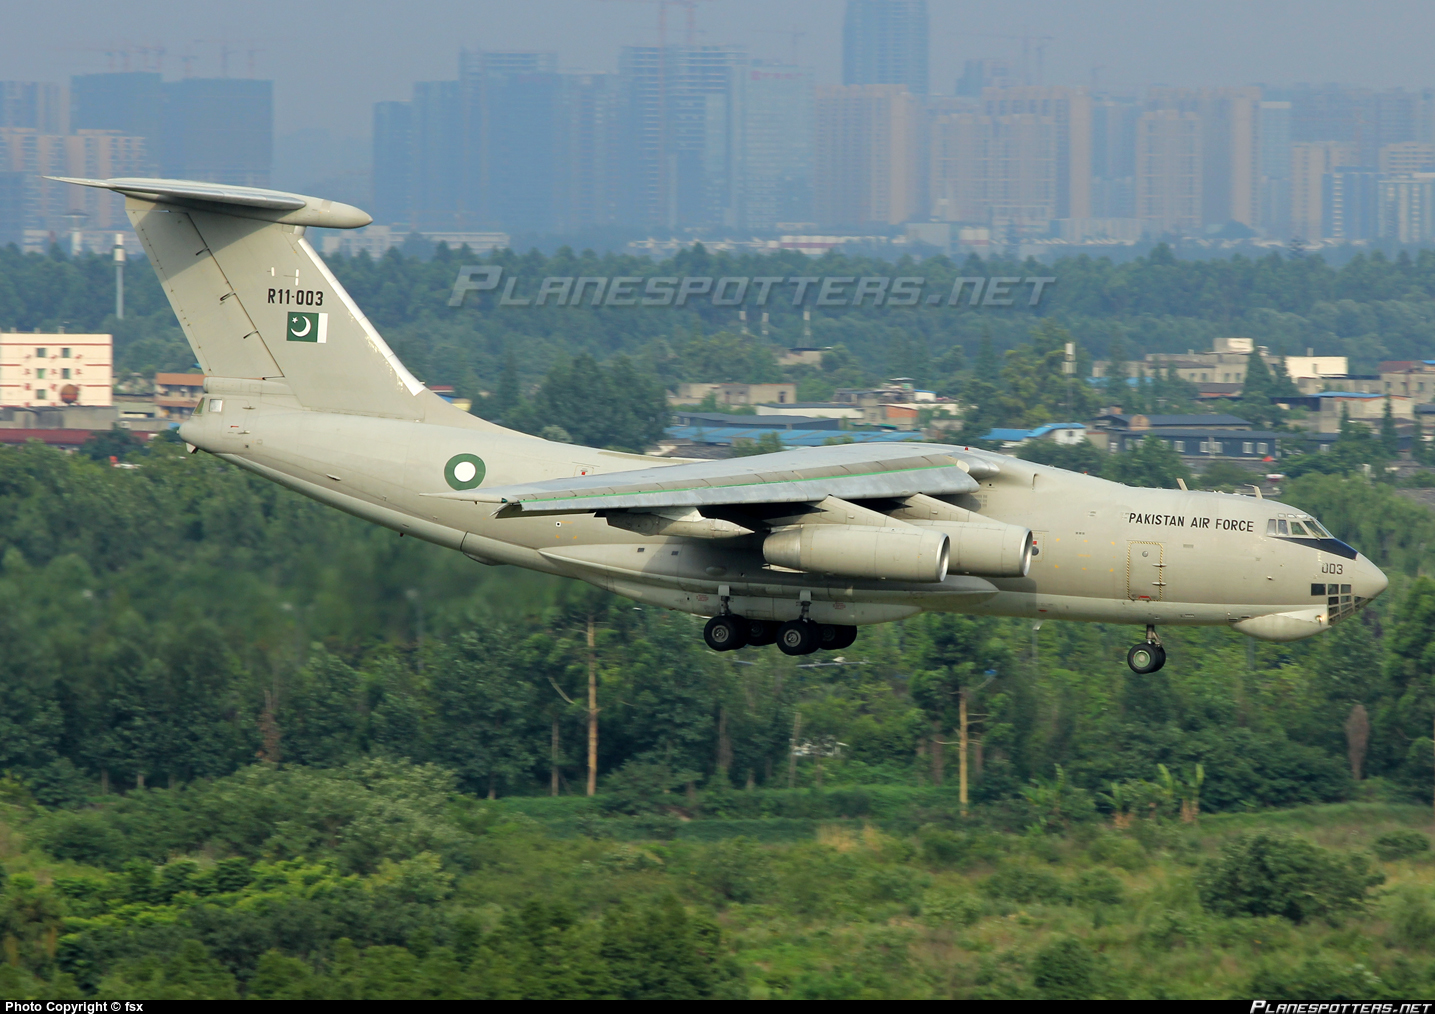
[{"x": 1106, "y": 552}]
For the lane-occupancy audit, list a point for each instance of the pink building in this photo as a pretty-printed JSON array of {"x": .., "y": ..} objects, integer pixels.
[{"x": 56, "y": 370}]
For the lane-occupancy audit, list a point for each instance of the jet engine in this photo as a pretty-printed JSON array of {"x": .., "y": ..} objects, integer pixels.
[
  {"x": 898, "y": 554},
  {"x": 989, "y": 548}
]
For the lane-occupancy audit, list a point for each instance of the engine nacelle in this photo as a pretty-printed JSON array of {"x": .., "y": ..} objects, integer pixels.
[
  {"x": 897, "y": 554},
  {"x": 988, "y": 548}
]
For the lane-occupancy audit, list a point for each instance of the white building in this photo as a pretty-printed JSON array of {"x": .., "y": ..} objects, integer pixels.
[{"x": 56, "y": 370}]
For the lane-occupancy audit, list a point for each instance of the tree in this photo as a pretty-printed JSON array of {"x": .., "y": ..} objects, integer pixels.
[
  {"x": 768, "y": 443},
  {"x": 484, "y": 726},
  {"x": 613, "y": 406},
  {"x": 1389, "y": 435},
  {"x": 1078, "y": 457},
  {"x": 111, "y": 443},
  {"x": 1150, "y": 463},
  {"x": 1264, "y": 873}
]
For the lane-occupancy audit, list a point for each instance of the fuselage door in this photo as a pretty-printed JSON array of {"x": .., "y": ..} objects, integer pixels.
[{"x": 1146, "y": 571}]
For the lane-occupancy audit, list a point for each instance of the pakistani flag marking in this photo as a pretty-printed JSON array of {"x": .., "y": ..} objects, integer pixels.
[{"x": 308, "y": 327}]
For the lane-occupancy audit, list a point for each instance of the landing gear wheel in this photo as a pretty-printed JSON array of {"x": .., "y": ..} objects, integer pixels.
[
  {"x": 1146, "y": 657},
  {"x": 835, "y": 637},
  {"x": 797, "y": 637},
  {"x": 724, "y": 633},
  {"x": 760, "y": 632}
]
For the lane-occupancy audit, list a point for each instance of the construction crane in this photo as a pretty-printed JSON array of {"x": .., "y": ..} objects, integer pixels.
[
  {"x": 690, "y": 18},
  {"x": 1027, "y": 39},
  {"x": 794, "y": 36}
]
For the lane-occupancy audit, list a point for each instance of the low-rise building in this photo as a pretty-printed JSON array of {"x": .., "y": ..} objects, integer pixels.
[
  {"x": 1195, "y": 437},
  {"x": 1057, "y": 433},
  {"x": 735, "y": 394},
  {"x": 1327, "y": 408},
  {"x": 814, "y": 409},
  {"x": 176, "y": 395},
  {"x": 53, "y": 370}
]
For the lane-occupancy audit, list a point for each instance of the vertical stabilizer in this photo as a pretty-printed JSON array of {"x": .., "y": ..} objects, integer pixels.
[{"x": 257, "y": 302}]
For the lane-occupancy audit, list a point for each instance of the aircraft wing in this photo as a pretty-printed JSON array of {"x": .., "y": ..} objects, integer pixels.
[{"x": 846, "y": 471}]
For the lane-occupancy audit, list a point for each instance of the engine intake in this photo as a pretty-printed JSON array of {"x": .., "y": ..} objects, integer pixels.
[{"x": 908, "y": 553}]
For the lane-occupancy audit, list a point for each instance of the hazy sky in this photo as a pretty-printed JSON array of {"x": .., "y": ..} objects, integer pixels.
[{"x": 330, "y": 61}]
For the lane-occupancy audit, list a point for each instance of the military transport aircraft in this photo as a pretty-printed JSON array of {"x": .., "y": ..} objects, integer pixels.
[{"x": 798, "y": 547}]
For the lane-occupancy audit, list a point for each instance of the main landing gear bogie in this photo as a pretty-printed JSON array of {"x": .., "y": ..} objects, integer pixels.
[
  {"x": 796, "y": 637},
  {"x": 1148, "y": 656}
]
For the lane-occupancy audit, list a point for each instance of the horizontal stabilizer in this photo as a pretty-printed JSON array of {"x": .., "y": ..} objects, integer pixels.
[
  {"x": 851, "y": 472},
  {"x": 245, "y": 202}
]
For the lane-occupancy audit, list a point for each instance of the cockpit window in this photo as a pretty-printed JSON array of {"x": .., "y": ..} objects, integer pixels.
[
  {"x": 1318, "y": 530},
  {"x": 1283, "y": 528},
  {"x": 1297, "y": 528}
]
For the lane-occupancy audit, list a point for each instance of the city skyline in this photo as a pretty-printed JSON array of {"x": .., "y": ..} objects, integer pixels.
[{"x": 332, "y": 85}]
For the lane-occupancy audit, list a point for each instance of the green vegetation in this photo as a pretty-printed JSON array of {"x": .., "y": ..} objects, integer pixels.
[
  {"x": 377, "y": 880},
  {"x": 252, "y": 747}
]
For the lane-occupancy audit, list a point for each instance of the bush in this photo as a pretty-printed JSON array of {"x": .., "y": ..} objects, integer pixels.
[
  {"x": 84, "y": 837},
  {"x": 1263, "y": 873},
  {"x": 1413, "y": 920},
  {"x": 950, "y": 908},
  {"x": 1065, "y": 969},
  {"x": 948, "y": 849},
  {"x": 1317, "y": 979},
  {"x": 1099, "y": 887},
  {"x": 1024, "y": 884},
  {"x": 1401, "y": 844}
]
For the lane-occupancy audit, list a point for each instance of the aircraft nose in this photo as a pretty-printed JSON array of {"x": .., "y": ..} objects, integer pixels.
[{"x": 1369, "y": 580}]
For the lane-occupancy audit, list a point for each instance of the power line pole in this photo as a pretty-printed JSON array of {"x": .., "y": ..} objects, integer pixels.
[{"x": 592, "y": 710}]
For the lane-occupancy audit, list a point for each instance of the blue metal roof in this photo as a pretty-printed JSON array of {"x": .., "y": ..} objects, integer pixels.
[{"x": 1002, "y": 433}]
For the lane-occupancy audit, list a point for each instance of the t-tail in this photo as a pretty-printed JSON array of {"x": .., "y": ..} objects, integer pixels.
[{"x": 257, "y": 303}]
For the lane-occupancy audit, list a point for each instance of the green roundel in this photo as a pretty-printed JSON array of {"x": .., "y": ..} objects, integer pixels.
[{"x": 464, "y": 471}]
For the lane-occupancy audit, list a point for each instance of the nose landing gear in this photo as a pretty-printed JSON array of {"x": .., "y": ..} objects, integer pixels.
[{"x": 1149, "y": 655}]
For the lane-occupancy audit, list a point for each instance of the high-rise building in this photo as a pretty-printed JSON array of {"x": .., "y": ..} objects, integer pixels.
[
  {"x": 1168, "y": 170},
  {"x": 1407, "y": 157},
  {"x": 1350, "y": 198},
  {"x": 1274, "y": 132},
  {"x": 1230, "y": 151},
  {"x": 218, "y": 129},
  {"x": 436, "y": 178},
  {"x": 773, "y": 149},
  {"x": 980, "y": 74},
  {"x": 1113, "y": 157},
  {"x": 12, "y": 206},
  {"x": 27, "y": 157},
  {"x": 513, "y": 140},
  {"x": 995, "y": 170},
  {"x": 1070, "y": 112},
  {"x": 131, "y": 103},
  {"x": 592, "y": 138},
  {"x": 34, "y": 104},
  {"x": 886, "y": 42},
  {"x": 865, "y": 172},
  {"x": 393, "y": 162},
  {"x": 678, "y": 127},
  {"x": 1310, "y": 162},
  {"x": 1407, "y": 208}
]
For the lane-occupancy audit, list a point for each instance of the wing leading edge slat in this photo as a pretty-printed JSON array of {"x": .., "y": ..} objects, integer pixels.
[{"x": 848, "y": 472}]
